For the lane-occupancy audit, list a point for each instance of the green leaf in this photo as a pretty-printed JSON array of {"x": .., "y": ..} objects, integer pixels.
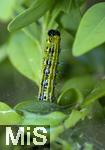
[
  {"x": 8, "y": 115},
  {"x": 52, "y": 119},
  {"x": 35, "y": 106},
  {"x": 33, "y": 31},
  {"x": 6, "y": 9},
  {"x": 97, "y": 92},
  {"x": 75, "y": 89},
  {"x": 30, "y": 15},
  {"x": 91, "y": 32},
  {"x": 26, "y": 56}
]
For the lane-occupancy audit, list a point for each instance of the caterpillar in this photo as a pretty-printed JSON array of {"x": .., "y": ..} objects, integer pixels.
[{"x": 49, "y": 66}]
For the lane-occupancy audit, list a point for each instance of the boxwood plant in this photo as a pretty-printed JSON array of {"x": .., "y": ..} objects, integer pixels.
[{"x": 80, "y": 87}]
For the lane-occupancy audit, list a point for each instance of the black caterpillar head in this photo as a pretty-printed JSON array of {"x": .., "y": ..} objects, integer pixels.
[{"x": 53, "y": 32}]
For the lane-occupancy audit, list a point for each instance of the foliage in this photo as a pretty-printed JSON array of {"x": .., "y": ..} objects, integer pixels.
[{"x": 81, "y": 87}]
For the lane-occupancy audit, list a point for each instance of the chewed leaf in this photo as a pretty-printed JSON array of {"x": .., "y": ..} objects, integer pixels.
[
  {"x": 30, "y": 15},
  {"x": 8, "y": 115},
  {"x": 25, "y": 55},
  {"x": 91, "y": 32}
]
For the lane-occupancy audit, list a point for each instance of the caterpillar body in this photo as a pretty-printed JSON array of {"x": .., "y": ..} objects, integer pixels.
[{"x": 49, "y": 66}]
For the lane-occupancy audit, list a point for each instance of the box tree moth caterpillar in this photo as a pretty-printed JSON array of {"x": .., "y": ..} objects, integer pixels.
[{"x": 49, "y": 66}]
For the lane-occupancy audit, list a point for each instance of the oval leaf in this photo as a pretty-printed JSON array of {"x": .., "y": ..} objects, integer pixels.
[
  {"x": 30, "y": 15},
  {"x": 91, "y": 32},
  {"x": 26, "y": 56},
  {"x": 37, "y": 107}
]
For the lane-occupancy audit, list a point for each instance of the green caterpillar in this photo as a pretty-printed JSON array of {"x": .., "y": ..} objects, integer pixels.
[{"x": 49, "y": 67}]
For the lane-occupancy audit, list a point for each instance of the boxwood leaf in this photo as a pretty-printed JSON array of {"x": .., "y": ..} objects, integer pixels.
[
  {"x": 25, "y": 55},
  {"x": 91, "y": 32},
  {"x": 33, "y": 31},
  {"x": 35, "y": 106},
  {"x": 8, "y": 115},
  {"x": 36, "y": 10}
]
